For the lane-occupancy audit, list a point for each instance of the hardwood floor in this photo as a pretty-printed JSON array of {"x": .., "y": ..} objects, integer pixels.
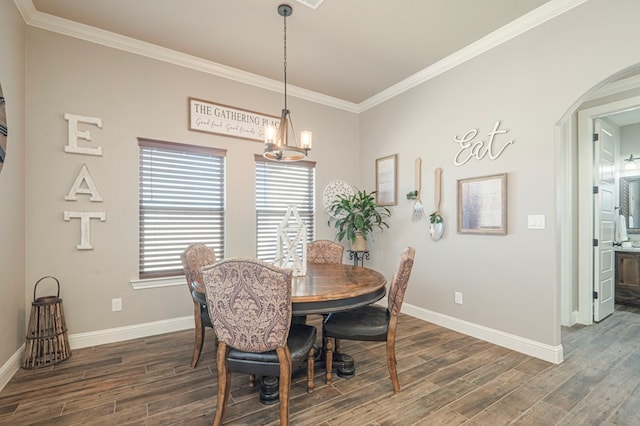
[{"x": 446, "y": 378}]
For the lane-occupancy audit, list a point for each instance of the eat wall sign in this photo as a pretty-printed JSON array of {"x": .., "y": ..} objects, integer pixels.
[
  {"x": 470, "y": 147},
  {"x": 83, "y": 183}
]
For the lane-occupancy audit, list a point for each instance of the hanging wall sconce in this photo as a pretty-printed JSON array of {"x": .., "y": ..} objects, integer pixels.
[{"x": 631, "y": 162}]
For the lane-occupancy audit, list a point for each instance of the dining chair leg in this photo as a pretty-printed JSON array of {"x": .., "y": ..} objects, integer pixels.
[
  {"x": 328, "y": 354},
  {"x": 199, "y": 339},
  {"x": 224, "y": 382},
  {"x": 284, "y": 358},
  {"x": 392, "y": 363},
  {"x": 336, "y": 346},
  {"x": 310, "y": 367}
]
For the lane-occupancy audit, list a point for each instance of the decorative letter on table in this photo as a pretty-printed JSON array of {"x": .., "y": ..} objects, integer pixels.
[{"x": 290, "y": 237}]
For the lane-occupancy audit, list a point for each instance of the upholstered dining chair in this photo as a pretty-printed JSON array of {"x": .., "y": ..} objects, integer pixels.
[
  {"x": 194, "y": 257},
  {"x": 324, "y": 251},
  {"x": 372, "y": 322},
  {"x": 250, "y": 306}
]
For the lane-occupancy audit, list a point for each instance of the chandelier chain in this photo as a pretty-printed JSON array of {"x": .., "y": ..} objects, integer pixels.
[{"x": 285, "y": 61}]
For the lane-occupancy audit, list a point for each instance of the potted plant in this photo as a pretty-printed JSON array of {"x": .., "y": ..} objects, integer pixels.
[{"x": 356, "y": 216}]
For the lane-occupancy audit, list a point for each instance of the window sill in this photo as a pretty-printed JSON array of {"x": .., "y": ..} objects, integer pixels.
[{"x": 158, "y": 282}]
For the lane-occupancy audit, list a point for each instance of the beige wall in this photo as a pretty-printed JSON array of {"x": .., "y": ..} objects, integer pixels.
[
  {"x": 137, "y": 96},
  {"x": 629, "y": 141},
  {"x": 12, "y": 224},
  {"x": 509, "y": 283}
]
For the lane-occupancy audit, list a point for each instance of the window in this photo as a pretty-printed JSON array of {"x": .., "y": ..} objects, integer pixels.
[
  {"x": 181, "y": 202},
  {"x": 279, "y": 185}
]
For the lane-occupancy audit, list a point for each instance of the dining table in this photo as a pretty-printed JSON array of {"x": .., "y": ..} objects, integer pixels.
[
  {"x": 324, "y": 289},
  {"x": 329, "y": 287}
]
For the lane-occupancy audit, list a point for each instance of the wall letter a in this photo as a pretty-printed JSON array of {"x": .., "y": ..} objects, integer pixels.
[{"x": 77, "y": 188}]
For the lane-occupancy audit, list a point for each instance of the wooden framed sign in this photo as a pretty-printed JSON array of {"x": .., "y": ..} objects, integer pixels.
[
  {"x": 386, "y": 180},
  {"x": 210, "y": 117},
  {"x": 482, "y": 205}
]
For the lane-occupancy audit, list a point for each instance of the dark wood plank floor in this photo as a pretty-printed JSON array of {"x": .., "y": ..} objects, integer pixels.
[{"x": 446, "y": 378}]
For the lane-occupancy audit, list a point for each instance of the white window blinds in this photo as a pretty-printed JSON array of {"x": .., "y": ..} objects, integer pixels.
[
  {"x": 181, "y": 202},
  {"x": 279, "y": 185}
]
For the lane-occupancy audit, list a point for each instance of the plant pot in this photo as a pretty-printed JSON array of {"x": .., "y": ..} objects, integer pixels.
[{"x": 359, "y": 244}]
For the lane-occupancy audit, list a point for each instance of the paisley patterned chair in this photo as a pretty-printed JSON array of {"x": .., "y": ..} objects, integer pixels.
[
  {"x": 250, "y": 306},
  {"x": 193, "y": 258},
  {"x": 324, "y": 251},
  {"x": 372, "y": 322}
]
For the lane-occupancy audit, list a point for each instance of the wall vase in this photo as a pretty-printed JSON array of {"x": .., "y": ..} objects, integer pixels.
[{"x": 436, "y": 230}]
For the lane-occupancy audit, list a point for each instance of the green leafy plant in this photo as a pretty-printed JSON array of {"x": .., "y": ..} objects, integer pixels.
[
  {"x": 435, "y": 218},
  {"x": 412, "y": 195},
  {"x": 357, "y": 212}
]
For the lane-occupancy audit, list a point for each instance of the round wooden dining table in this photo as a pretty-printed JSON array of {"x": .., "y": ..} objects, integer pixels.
[
  {"x": 330, "y": 288},
  {"x": 324, "y": 289}
]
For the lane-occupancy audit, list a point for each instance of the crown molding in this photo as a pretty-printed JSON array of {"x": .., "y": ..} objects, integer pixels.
[
  {"x": 513, "y": 29},
  {"x": 106, "y": 38},
  {"x": 26, "y": 9},
  {"x": 526, "y": 22}
]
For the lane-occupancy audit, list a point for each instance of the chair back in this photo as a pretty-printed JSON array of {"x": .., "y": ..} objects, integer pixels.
[
  {"x": 400, "y": 281},
  {"x": 194, "y": 257},
  {"x": 324, "y": 251},
  {"x": 249, "y": 303}
]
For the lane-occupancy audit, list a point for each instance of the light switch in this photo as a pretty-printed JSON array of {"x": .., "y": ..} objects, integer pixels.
[{"x": 536, "y": 221}]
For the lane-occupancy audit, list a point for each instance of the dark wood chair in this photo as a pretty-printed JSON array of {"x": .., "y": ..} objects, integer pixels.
[
  {"x": 250, "y": 306},
  {"x": 194, "y": 257},
  {"x": 324, "y": 251},
  {"x": 372, "y": 322}
]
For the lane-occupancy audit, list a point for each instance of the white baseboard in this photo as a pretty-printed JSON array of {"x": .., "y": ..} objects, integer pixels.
[
  {"x": 573, "y": 318},
  {"x": 119, "y": 334},
  {"x": 530, "y": 347},
  {"x": 101, "y": 337},
  {"x": 95, "y": 338},
  {"x": 10, "y": 367}
]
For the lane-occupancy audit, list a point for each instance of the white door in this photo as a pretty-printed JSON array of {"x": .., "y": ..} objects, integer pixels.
[{"x": 603, "y": 219}]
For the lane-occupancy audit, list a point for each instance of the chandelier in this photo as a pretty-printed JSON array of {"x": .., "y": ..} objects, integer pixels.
[{"x": 276, "y": 140}]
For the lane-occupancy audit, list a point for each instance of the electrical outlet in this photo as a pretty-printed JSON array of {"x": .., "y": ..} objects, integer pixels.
[
  {"x": 457, "y": 297},
  {"x": 116, "y": 305}
]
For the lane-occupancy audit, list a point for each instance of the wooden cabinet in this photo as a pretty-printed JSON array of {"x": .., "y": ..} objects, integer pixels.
[{"x": 628, "y": 278}]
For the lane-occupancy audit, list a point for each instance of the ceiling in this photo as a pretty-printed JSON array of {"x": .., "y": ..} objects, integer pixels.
[
  {"x": 350, "y": 50},
  {"x": 626, "y": 118}
]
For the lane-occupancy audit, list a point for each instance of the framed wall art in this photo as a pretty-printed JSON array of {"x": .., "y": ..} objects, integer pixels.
[
  {"x": 482, "y": 205},
  {"x": 386, "y": 180}
]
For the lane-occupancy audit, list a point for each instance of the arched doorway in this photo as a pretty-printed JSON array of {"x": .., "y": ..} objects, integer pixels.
[{"x": 574, "y": 180}]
